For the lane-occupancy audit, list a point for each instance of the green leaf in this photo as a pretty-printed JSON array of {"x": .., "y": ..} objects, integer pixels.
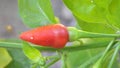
[
  {"x": 5, "y": 58},
  {"x": 86, "y": 58},
  {"x": 33, "y": 54},
  {"x": 96, "y": 13},
  {"x": 115, "y": 54},
  {"x": 103, "y": 63},
  {"x": 114, "y": 14},
  {"x": 108, "y": 58},
  {"x": 103, "y": 4},
  {"x": 86, "y": 10},
  {"x": 19, "y": 60},
  {"x": 36, "y": 13},
  {"x": 99, "y": 64},
  {"x": 90, "y": 61},
  {"x": 81, "y": 59},
  {"x": 96, "y": 27}
]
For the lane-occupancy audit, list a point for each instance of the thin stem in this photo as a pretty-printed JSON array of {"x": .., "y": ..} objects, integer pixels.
[
  {"x": 64, "y": 58},
  {"x": 114, "y": 55},
  {"x": 75, "y": 34},
  {"x": 52, "y": 57},
  {"x": 67, "y": 48},
  {"x": 99, "y": 62},
  {"x": 108, "y": 48},
  {"x": 34, "y": 65},
  {"x": 53, "y": 61},
  {"x": 84, "y": 34}
]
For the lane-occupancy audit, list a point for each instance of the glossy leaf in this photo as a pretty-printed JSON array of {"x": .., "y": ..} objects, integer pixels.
[
  {"x": 103, "y": 4},
  {"x": 96, "y": 27},
  {"x": 114, "y": 56},
  {"x": 86, "y": 10},
  {"x": 36, "y": 12},
  {"x": 100, "y": 61},
  {"x": 96, "y": 13},
  {"x": 5, "y": 58},
  {"x": 79, "y": 59},
  {"x": 108, "y": 58},
  {"x": 114, "y": 14},
  {"x": 90, "y": 61},
  {"x": 33, "y": 54},
  {"x": 103, "y": 63},
  {"x": 19, "y": 60},
  {"x": 88, "y": 20}
]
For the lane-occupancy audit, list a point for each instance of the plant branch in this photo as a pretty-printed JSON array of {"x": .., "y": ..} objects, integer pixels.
[{"x": 67, "y": 48}]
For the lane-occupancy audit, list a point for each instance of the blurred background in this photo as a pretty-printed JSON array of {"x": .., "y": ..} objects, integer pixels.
[{"x": 11, "y": 24}]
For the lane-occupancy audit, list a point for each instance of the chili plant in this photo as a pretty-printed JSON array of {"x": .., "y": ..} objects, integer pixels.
[{"x": 94, "y": 45}]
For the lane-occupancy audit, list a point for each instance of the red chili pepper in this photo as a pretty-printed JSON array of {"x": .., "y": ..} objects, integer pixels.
[
  {"x": 55, "y": 36},
  {"x": 58, "y": 35}
]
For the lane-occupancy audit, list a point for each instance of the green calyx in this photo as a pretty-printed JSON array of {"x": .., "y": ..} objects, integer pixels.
[{"x": 75, "y": 34}]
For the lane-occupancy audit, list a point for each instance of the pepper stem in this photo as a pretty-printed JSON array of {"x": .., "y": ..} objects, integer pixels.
[{"x": 75, "y": 34}]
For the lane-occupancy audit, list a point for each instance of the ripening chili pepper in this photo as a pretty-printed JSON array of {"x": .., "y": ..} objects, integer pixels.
[
  {"x": 55, "y": 36},
  {"x": 58, "y": 35}
]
